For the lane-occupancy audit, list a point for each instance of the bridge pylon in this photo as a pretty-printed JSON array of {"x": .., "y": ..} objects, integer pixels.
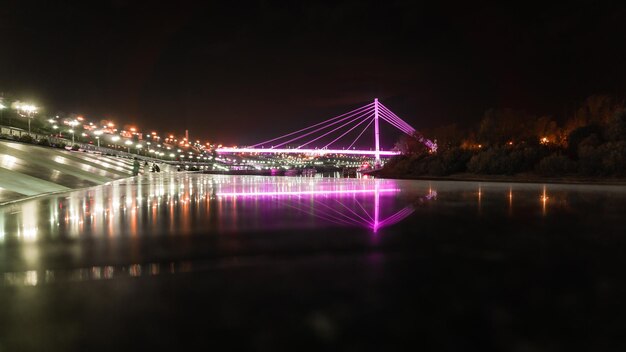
[{"x": 376, "y": 132}]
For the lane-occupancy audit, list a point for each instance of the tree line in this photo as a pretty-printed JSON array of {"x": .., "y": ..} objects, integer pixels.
[{"x": 590, "y": 142}]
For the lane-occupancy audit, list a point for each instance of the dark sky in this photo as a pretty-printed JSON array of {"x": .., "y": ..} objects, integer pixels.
[{"x": 241, "y": 72}]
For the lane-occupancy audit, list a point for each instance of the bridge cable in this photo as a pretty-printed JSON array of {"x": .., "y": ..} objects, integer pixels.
[
  {"x": 401, "y": 125},
  {"x": 386, "y": 109},
  {"x": 322, "y": 128},
  {"x": 395, "y": 123},
  {"x": 336, "y": 220},
  {"x": 352, "y": 211},
  {"x": 364, "y": 211},
  {"x": 359, "y": 136},
  {"x": 331, "y": 131},
  {"x": 395, "y": 117},
  {"x": 348, "y": 131},
  {"x": 317, "y": 124},
  {"x": 427, "y": 142},
  {"x": 401, "y": 121}
]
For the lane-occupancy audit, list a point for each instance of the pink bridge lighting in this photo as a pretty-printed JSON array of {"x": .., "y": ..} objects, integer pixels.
[
  {"x": 304, "y": 193},
  {"x": 305, "y": 151},
  {"x": 339, "y": 206},
  {"x": 328, "y": 133}
]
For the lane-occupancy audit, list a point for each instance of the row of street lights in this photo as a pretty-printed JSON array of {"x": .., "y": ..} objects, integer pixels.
[{"x": 29, "y": 110}]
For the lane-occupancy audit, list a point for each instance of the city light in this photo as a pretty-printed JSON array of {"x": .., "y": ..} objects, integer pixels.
[
  {"x": 97, "y": 133},
  {"x": 25, "y": 110},
  {"x": 73, "y": 123}
]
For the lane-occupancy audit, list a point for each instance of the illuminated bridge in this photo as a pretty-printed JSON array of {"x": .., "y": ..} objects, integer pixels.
[{"x": 337, "y": 130}]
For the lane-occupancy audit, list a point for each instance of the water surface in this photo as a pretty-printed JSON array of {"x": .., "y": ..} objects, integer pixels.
[{"x": 349, "y": 263}]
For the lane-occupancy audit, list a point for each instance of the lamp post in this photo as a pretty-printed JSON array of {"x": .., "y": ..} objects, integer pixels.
[
  {"x": 115, "y": 139},
  {"x": 73, "y": 123},
  {"x": 26, "y": 110},
  {"x": 128, "y": 144},
  {"x": 98, "y": 134}
]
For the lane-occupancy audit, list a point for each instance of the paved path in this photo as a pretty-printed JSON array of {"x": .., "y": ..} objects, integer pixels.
[{"x": 27, "y": 170}]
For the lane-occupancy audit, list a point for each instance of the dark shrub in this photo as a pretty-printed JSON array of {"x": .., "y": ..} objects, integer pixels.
[
  {"x": 493, "y": 161},
  {"x": 397, "y": 166},
  {"x": 455, "y": 160},
  {"x": 44, "y": 142},
  {"x": 615, "y": 129},
  {"x": 436, "y": 168},
  {"x": 590, "y": 160},
  {"x": 26, "y": 139},
  {"x": 555, "y": 165},
  {"x": 75, "y": 147},
  {"x": 613, "y": 156},
  {"x": 418, "y": 164},
  {"x": 577, "y": 136}
]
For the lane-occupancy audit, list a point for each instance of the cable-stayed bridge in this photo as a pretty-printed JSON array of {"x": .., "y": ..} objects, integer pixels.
[{"x": 329, "y": 136}]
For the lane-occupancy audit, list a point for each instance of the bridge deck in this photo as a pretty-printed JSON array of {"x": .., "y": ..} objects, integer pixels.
[{"x": 304, "y": 151}]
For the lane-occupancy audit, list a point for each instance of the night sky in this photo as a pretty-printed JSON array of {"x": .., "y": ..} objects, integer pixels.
[{"x": 241, "y": 72}]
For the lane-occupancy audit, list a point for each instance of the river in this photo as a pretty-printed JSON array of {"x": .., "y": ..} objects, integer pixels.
[{"x": 268, "y": 262}]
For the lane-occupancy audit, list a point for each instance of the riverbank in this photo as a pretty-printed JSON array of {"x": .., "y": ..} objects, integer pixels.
[
  {"x": 28, "y": 170},
  {"x": 518, "y": 178}
]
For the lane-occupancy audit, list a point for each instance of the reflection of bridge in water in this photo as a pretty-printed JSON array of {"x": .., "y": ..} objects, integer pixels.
[
  {"x": 330, "y": 134},
  {"x": 344, "y": 205},
  {"x": 167, "y": 204}
]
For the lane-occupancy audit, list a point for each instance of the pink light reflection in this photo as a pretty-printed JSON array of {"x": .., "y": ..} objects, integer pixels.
[{"x": 303, "y": 193}]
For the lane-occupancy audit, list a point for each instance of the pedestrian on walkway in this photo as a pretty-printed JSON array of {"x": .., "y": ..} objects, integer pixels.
[{"x": 135, "y": 167}]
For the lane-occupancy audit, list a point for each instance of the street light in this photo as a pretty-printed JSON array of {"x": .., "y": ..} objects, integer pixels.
[
  {"x": 114, "y": 139},
  {"x": 73, "y": 123},
  {"x": 26, "y": 110},
  {"x": 128, "y": 144},
  {"x": 98, "y": 134}
]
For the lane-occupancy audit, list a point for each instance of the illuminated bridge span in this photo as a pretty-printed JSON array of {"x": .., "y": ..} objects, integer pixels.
[{"x": 337, "y": 128}]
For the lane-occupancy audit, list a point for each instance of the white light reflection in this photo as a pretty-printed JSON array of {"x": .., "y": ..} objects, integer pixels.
[
  {"x": 8, "y": 161},
  {"x": 28, "y": 229}
]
